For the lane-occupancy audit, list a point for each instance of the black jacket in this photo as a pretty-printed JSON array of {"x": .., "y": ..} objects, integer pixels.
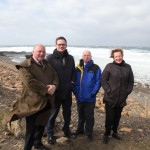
[
  {"x": 117, "y": 82},
  {"x": 64, "y": 65}
]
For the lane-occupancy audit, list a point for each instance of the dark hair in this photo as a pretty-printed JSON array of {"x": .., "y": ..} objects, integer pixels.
[
  {"x": 60, "y": 38},
  {"x": 116, "y": 50}
]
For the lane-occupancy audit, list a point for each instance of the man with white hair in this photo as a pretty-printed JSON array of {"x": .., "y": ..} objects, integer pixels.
[
  {"x": 87, "y": 85},
  {"x": 39, "y": 81}
]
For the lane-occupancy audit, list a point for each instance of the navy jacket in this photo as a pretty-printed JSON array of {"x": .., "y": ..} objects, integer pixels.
[{"x": 66, "y": 72}]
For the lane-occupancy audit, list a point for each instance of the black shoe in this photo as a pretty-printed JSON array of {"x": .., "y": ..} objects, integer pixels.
[
  {"x": 116, "y": 136},
  {"x": 51, "y": 140},
  {"x": 69, "y": 135},
  {"x": 78, "y": 132},
  {"x": 41, "y": 147},
  {"x": 90, "y": 138},
  {"x": 105, "y": 139}
]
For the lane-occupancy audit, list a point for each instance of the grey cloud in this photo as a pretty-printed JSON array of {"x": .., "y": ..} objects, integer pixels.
[{"x": 86, "y": 22}]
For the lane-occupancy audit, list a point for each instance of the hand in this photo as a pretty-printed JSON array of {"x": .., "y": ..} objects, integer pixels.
[{"x": 51, "y": 89}]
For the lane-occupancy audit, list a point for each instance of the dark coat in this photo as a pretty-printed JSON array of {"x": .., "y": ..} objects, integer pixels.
[
  {"x": 117, "y": 82},
  {"x": 65, "y": 67},
  {"x": 34, "y": 97}
]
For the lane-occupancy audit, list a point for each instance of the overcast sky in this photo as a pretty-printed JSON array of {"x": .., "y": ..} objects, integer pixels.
[{"x": 82, "y": 22}]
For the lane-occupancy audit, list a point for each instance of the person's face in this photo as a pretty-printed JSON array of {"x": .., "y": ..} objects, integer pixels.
[
  {"x": 118, "y": 57},
  {"x": 86, "y": 56},
  {"x": 61, "y": 45},
  {"x": 39, "y": 52}
]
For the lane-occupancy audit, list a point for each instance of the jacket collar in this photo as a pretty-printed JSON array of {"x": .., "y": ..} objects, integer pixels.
[
  {"x": 121, "y": 64},
  {"x": 60, "y": 55},
  {"x": 88, "y": 64},
  {"x": 28, "y": 61}
]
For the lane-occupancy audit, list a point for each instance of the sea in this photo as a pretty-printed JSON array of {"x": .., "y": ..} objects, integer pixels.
[{"x": 137, "y": 57}]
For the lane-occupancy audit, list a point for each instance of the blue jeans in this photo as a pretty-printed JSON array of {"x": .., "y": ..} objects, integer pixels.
[{"x": 66, "y": 106}]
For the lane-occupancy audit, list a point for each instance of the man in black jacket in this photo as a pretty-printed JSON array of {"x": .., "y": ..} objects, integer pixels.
[{"x": 64, "y": 65}]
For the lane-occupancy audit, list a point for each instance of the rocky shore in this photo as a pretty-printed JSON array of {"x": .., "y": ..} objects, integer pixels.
[{"x": 134, "y": 124}]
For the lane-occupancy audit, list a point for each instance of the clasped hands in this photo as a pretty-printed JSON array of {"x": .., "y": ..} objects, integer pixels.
[{"x": 51, "y": 89}]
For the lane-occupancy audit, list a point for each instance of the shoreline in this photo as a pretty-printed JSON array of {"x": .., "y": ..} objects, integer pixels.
[{"x": 5, "y": 55}]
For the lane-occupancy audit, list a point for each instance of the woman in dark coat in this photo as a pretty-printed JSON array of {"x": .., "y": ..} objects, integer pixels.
[{"x": 117, "y": 81}]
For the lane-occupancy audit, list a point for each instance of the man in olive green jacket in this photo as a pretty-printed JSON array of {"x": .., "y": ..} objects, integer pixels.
[{"x": 39, "y": 82}]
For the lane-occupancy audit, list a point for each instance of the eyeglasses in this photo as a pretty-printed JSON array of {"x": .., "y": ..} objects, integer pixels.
[{"x": 61, "y": 44}]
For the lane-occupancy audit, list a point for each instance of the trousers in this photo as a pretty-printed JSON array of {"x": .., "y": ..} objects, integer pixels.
[
  {"x": 66, "y": 107},
  {"x": 85, "y": 117},
  {"x": 113, "y": 115},
  {"x": 34, "y": 132}
]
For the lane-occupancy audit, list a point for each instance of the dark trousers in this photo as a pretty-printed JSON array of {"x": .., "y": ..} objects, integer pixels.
[
  {"x": 85, "y": 117},
  {"x": 34, "y": 132},
  {"x": 113, "y": 115},
  {"x": 66, "y": 106}
]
